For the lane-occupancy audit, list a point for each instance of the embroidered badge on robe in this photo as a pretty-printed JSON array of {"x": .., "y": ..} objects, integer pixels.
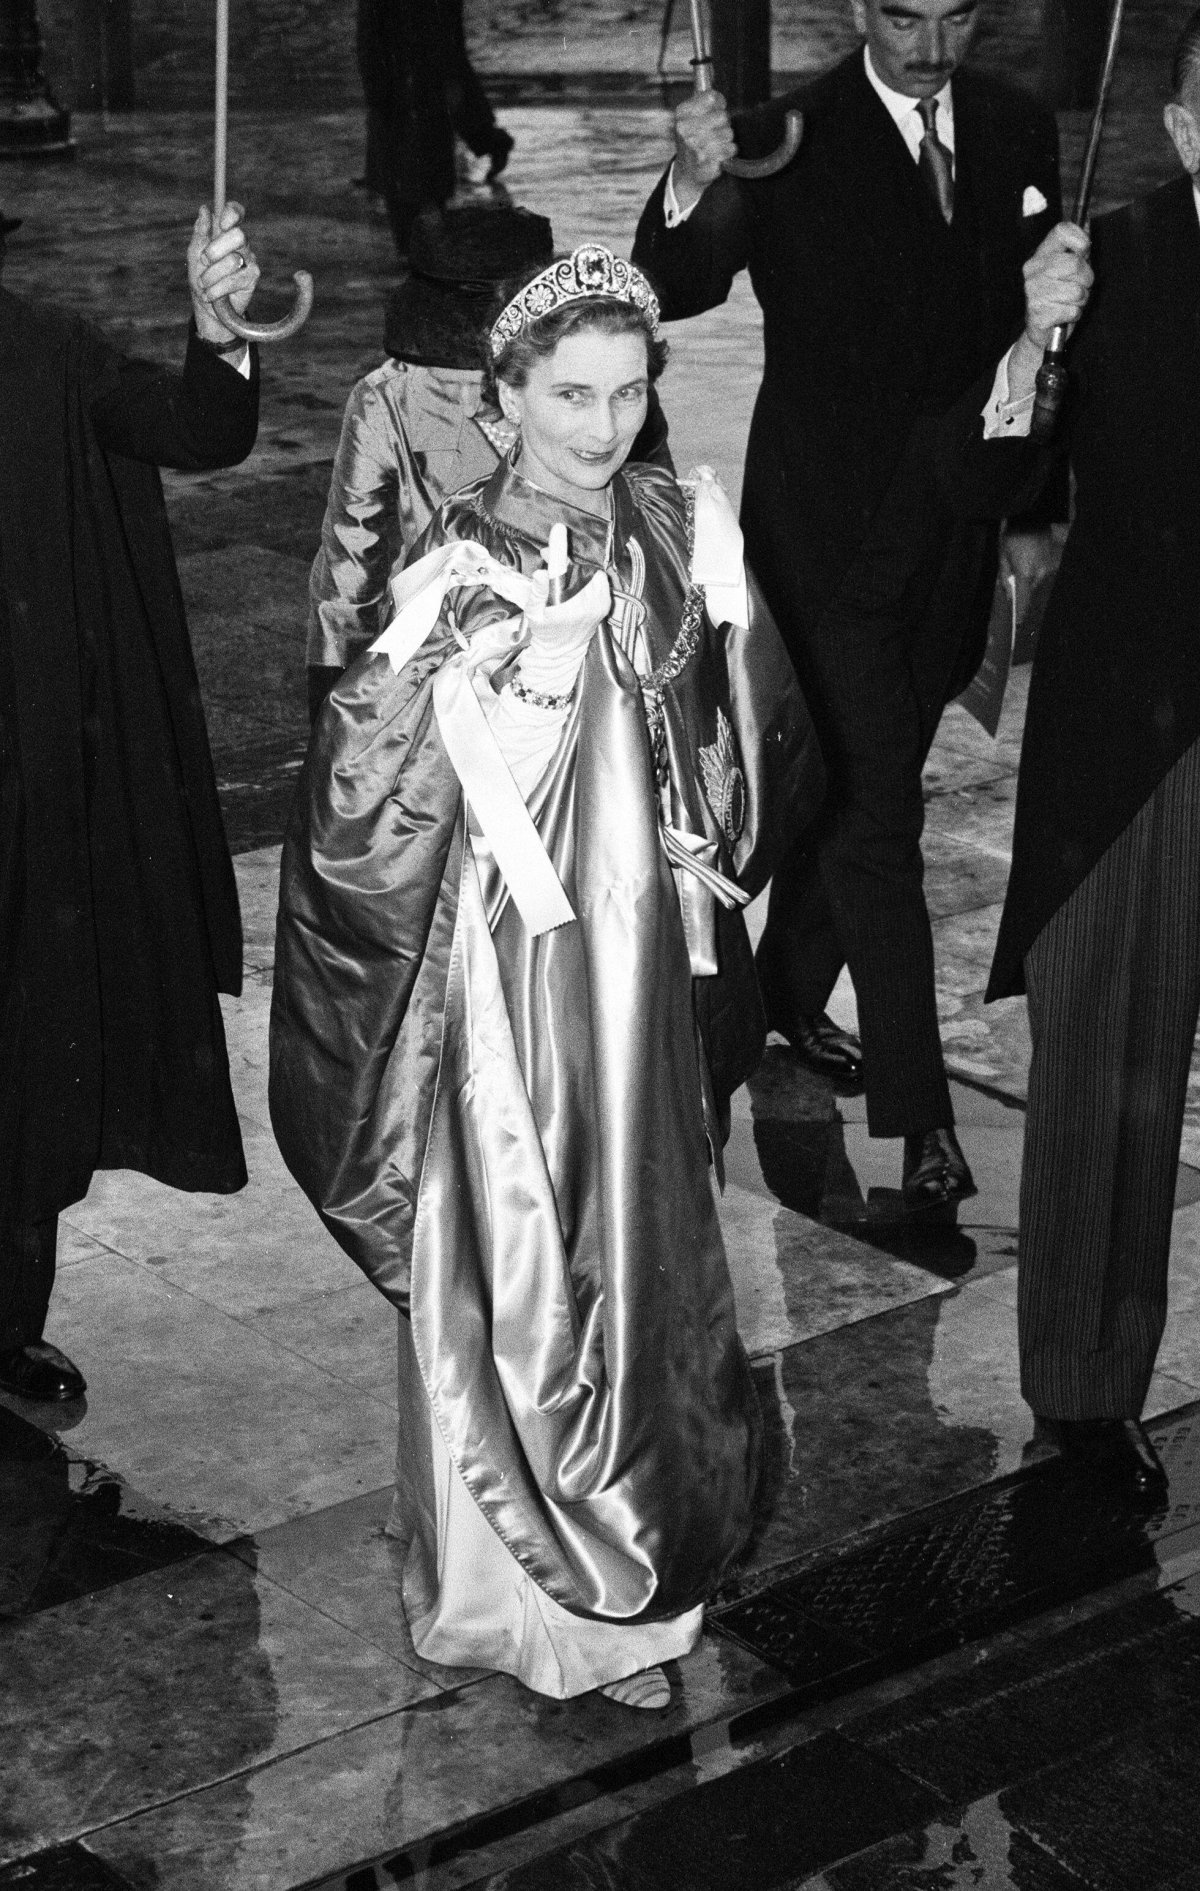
[{"x": 724, "y": 782}]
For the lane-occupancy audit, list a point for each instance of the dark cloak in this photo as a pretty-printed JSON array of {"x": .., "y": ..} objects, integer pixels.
[
  {"x": 119, "y": 918},
  {"x": 1114, "y": 700}
]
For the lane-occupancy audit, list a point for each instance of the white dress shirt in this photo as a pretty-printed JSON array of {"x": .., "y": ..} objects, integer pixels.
[
  {"x": 1010, "y": 420},
  {"x": 907, "y": 115},
  {"x": 903, "y": 109}
]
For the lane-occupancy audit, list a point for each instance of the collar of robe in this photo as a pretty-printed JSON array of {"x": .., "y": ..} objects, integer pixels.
[{"x": 528, "y": 511}]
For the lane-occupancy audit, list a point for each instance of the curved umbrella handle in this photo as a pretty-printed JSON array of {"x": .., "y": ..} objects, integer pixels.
[
  {"x": 286, "y": 326},
  {"x": 783, "y": 154}
]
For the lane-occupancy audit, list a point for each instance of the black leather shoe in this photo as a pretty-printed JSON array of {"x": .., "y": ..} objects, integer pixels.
[
  {"x": 819, "y": 1043},
  {"x": 935, "y": 1169},
  {"x": 41, "y": 1373},
  {"x": 1114, "y": 1451}
]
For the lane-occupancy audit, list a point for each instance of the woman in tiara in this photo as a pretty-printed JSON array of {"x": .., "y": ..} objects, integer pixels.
[{"x": 514, "y": 993}]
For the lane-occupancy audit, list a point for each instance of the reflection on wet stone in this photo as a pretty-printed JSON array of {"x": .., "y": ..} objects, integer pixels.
[
  {"x": 984, "y": 1850},
  {"x": 162, "y": 1686},
  {"x": 852, "y": 1436},
  {"x": 752, "y": 1830},
  {"x": 1093, "y": 1681},
  {"x": 62, "y": 1868},
  {"x": 930, "y": 1238},
  {"x": 814, "y": 1157},
  {"x": 68, "y": 1527},
  {"x": 795, "y": 1159}
]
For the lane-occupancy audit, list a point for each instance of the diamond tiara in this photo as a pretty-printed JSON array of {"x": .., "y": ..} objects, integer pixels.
[{"x": 589, "y": 271}]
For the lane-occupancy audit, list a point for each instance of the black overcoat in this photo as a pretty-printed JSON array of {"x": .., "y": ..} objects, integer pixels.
[
  {"x": 1114, "y": 699},
  {"x": 118, "y": 907},
  {"x": 874, "y": 313}
]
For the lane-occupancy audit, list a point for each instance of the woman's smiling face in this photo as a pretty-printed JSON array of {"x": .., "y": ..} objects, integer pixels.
[{"x": 580, "y": 411}]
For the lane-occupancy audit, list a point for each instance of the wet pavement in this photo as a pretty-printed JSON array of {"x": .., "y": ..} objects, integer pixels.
[{"x": 939, "y": 1663}]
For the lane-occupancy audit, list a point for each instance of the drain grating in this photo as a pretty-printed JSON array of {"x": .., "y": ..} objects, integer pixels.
[{"x": 962, "y": 1570}]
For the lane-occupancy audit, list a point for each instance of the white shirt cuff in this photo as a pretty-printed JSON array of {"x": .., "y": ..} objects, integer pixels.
[
  {"x": 1004, "y": 419},
  {"x": 673, "y": 216}
]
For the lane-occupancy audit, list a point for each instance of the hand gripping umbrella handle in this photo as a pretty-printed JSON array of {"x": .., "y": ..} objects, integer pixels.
[
  {"x": 702, "y": 81},
  {"x": 1051, "y": 385},
  {"x": 287, "y": 325},
  {"x": 223, "y": 308}
]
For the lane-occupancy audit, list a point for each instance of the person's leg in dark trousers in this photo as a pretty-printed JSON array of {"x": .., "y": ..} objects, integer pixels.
[
  {"x": 27, "y": 1251},
  {"x": 470, "y": 112},
  {"x": 29, "y": 1365},
  {"x": 864, "y": 905},
  {"x": 1114, "y": 992},
  {"x": 877, "y": 669},
  {"x": 401, "y": 55}
]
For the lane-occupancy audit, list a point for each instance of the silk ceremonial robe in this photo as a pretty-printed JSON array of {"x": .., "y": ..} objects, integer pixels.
[{"x": 507, "y": 1131}]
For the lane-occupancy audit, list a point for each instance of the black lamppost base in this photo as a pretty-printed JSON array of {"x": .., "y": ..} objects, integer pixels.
[
  {"x": 35, "y": 128},
  {"x": 32, "y": 123}
]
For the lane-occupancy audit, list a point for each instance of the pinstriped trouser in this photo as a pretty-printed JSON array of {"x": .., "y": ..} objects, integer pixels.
[
  {"x": 1114, "y": 992},
  {"x": 27, "y": 1253}
]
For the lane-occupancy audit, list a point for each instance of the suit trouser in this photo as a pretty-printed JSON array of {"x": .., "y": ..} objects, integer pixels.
[
  {"x": 878, "y": 669},
  {"x": 27, "y": 1252},
  {"x": 1114, "y": 992}
]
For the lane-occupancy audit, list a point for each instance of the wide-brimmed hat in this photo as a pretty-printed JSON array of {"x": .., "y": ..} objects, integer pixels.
[
  {"x": 9, "y": 223},
  {"x": 458, "y": 257}
]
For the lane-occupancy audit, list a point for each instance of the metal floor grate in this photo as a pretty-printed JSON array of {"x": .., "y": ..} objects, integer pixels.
[{"x": 962, "y": 1570}]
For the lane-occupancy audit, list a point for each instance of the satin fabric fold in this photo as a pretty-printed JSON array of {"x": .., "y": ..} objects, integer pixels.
[
  {"x": 608, "y": 1386},
  {"x": 509, "y": 1129},
  {"x": 409, "y": 434}
]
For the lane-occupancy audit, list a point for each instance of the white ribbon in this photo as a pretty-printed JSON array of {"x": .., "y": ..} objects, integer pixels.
[
  {"x": 686, "y": 852},
  {"x": 718, "y": 556},
  {"x": 419, "y": 591},
  {"x": 496, "y": 802}
]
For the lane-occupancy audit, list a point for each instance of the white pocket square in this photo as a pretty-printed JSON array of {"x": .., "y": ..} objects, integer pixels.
[{"x": 1033, "y": 203}]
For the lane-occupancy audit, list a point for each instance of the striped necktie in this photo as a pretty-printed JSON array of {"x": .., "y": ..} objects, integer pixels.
[{"x": 934, "y": 161}]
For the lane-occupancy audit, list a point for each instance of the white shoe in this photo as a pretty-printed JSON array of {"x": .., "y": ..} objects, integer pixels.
[{"x": 649, "y": 1689}]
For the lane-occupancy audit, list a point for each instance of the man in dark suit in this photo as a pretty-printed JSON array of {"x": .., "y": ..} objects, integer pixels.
[
  {"x": 118, "y": 908},
  {"x": 422, "y": 93},
  {"x": 1101, "y": 924},
  {"x": 887, "y": 258}
]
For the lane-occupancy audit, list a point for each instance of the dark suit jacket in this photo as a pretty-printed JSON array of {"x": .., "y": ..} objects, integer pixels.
[
  {"x": 118, "y": 906},
  {"x": 874, "y": 313},
  {"x": 1115, "y": 695}
]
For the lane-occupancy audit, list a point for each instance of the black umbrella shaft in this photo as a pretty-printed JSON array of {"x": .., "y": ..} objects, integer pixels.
[
  {"x": 1083, "y": 195},
  {"x": 1052, "y": 375}
]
